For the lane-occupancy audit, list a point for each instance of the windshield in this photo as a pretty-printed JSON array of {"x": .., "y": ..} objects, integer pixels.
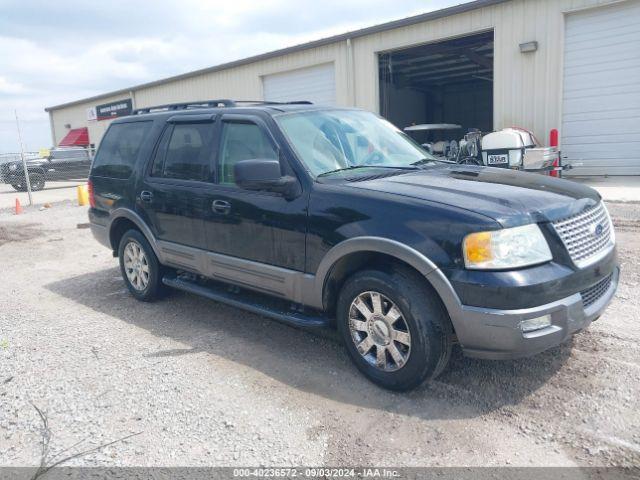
[{"x": 329, "y": 141}]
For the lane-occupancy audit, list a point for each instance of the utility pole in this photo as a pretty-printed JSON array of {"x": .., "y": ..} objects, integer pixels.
[{"x": 24, "y": 161}]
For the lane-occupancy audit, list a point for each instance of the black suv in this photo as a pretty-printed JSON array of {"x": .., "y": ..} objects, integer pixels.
[
  {"x": 333, "y": 217},
  {"x": 60, "y": 164}
]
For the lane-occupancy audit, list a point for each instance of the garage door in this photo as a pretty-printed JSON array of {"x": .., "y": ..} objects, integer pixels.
[
  {"x": 601, "y": 104},
  {"x": 316, "y": 84}
]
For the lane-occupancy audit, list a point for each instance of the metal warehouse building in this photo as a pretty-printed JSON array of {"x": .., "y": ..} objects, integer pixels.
[{"x": 572, "y": 65}]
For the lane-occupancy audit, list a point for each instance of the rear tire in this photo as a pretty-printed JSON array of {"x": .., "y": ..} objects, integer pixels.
[
  {"x": 140, "y": 268},
  {"x": 414, "y": 347}
]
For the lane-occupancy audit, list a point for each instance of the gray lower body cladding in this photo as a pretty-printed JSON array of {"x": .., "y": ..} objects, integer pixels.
[
  {"x": 497, "y": 334},
  {"x": 482, "y": 332}
]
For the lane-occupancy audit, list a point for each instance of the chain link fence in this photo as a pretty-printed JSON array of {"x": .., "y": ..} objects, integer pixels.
[{"x": 57, "y": 168}]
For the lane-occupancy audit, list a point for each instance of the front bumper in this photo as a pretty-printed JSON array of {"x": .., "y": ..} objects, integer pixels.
[
  {"x": 12, "y": 178},
  {"x": 495, "y": 334}
]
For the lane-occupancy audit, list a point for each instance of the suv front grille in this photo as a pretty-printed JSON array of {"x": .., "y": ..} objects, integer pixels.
[
  {"x": 586, "y": 235},
  {"x": 592, "y": 294}
]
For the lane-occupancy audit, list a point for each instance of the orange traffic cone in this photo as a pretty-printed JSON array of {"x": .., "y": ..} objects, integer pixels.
[{"x": 18, "y": 207}]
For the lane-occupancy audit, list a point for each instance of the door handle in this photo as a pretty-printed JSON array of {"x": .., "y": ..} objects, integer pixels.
[
  {"x": 146, "y": 196},
  {"x": 221, "y": 206}
]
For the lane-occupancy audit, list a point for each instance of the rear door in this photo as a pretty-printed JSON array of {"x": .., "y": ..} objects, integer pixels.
[
  {"x": 174, "y": 189},
  {"x": 69, "y": 164}
]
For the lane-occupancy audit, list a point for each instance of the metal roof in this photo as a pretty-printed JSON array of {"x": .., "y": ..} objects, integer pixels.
[{"x": 404, "y": 22}]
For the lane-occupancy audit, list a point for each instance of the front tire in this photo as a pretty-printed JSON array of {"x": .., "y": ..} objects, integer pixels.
[
  {"x": 394, "y": 326},
  {"x": 37, "y": 181},
  {"x": 140, "y": 267}
]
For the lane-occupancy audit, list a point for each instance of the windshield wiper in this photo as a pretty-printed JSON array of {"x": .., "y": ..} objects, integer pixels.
[
  {"x": 424, "y": 161},
  {"x": 355, "y": 167},
  {"x": 350, "y": 167}
]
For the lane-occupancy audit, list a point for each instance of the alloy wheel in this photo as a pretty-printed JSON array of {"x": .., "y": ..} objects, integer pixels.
[
  {"x": 379, "y": 331},
  {"x": 136, "y": 266}
]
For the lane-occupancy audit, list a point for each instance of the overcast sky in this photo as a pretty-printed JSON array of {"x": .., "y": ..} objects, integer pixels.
[{"x": 54, "y": 52}]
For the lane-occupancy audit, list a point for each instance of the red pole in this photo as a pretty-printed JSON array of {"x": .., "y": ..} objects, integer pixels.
[{"x": 553, "y": 142}]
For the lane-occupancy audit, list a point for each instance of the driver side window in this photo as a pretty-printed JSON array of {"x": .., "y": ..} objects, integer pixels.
[{"x": 242, "y": 141}]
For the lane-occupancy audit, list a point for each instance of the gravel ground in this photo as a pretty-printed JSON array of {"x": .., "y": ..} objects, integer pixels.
[
  {"x": 193, "y": 382},
  {"x": 53, "y": 192}
]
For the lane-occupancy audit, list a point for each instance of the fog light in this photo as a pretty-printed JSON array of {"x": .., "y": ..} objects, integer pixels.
[{"x": 535, "y": 323}]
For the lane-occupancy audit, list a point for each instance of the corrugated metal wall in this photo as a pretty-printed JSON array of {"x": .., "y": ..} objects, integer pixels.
[
  {"x": 245, "y": 82},
  {"x": 527, "y": 87}
]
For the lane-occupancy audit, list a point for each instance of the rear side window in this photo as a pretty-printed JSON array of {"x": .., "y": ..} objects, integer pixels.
[
  {"x": 185, "y": 153},
  {"x": 69, "y": 154},
  {"x": 119, "y": 149}
]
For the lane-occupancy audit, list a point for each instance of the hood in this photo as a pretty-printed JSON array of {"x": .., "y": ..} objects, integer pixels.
[
  {"x": 510, "y": 197},
  {"x": 29, "y": 162}
]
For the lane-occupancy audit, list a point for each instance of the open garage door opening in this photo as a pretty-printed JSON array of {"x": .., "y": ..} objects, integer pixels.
[{"x": 449, "y": 82}]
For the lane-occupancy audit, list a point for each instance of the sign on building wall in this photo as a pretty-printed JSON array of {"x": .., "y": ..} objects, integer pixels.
[
  {"x": 121, "y": 108},
  {"x": 92, "y": 114}
]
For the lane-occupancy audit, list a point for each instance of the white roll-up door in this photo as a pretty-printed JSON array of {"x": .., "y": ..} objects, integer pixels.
[
  {"x": 316, "y": 84},
  {"x": 601, "y": 94}
]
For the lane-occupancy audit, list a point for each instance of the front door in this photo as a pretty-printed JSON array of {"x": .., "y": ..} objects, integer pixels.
[
  {"x": 176, "y": 184},
  {"x": 261, "y": 227}
]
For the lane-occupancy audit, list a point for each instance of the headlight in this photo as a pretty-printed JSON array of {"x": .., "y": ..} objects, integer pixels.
[
  {"x": 505, "y": 249},
  {"x": 13, "y": 167}
]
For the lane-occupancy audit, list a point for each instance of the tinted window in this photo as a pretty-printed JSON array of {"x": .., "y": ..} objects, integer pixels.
[
  {"x": 73, "y": 154},
  {"x": 242, "y": 141},
  {"x": 158, "y": 161},
  {"x": 186, "y": 155},
  {"x": 120, "y": 149}
]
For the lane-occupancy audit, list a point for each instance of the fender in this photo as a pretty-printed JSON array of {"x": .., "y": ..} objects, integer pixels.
[
  {"x": 316, "y": 284},
  {"x": 137, "y": 220}
]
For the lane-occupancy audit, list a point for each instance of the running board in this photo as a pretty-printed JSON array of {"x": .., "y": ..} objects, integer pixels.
[{"x": 253, "y": 302}]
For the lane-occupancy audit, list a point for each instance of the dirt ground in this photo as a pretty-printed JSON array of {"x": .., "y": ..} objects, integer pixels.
[{"x": 193, "y": 382}]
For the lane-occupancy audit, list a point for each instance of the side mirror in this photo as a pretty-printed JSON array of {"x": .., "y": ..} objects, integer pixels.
[{"x": 264, "y": 174}]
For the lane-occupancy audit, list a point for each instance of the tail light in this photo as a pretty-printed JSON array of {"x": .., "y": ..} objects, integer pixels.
[{"x": 92, "y": 198}]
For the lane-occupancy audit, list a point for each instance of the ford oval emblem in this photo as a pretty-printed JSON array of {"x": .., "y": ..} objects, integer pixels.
[{"x": 597, "y": 231}]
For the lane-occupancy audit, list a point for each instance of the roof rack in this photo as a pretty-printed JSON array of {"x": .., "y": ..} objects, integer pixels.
[
  {"x": 186, "y": 106},
  {"x": 268, "y": 102},
  {"x": 212, "y": 104}
]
